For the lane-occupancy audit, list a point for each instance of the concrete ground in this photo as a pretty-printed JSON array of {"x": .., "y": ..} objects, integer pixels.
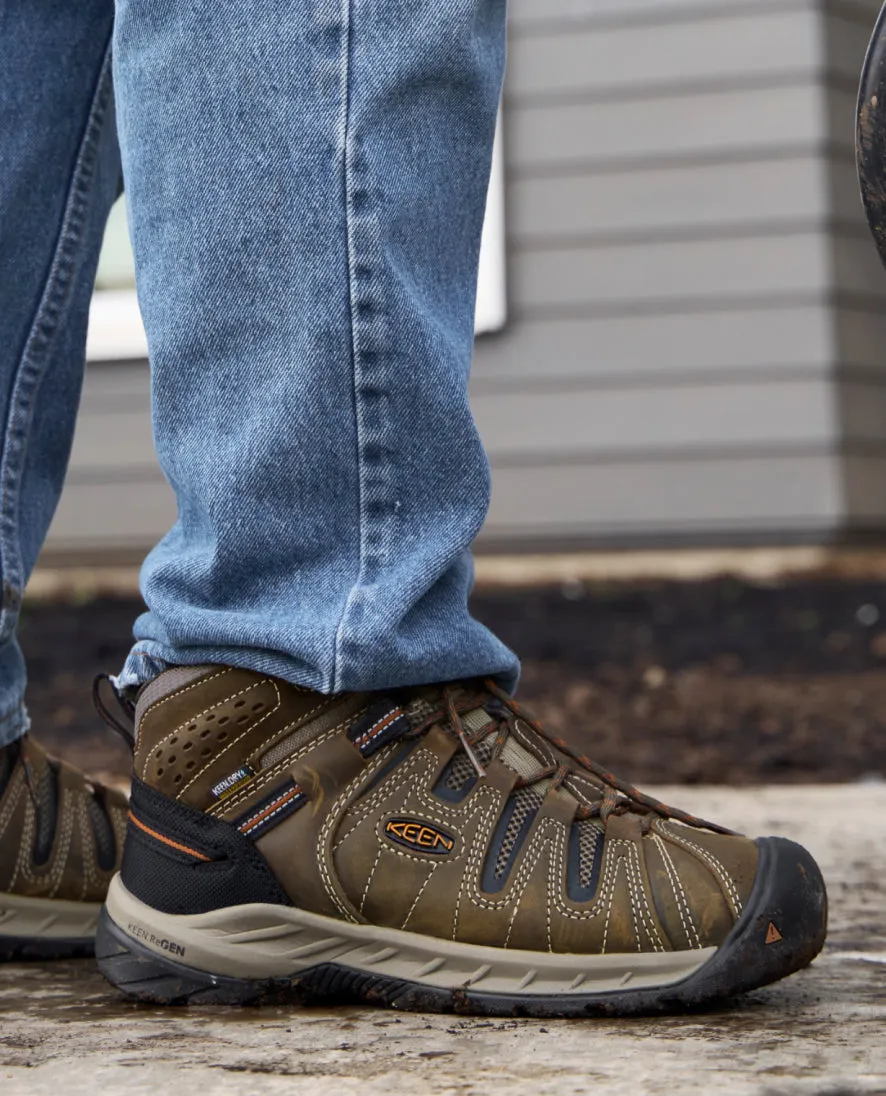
[{"x": 823, "y": 1031}]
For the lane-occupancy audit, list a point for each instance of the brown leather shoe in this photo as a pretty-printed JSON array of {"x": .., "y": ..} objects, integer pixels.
[
  {"x": 430, "y": 849},
  {"x": 60, "y": 843}
]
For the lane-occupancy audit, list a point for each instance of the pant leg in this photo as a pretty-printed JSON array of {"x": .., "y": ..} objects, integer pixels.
[
  {"x": 306, "y": 182},
  {"x": 59, "y": 174}
]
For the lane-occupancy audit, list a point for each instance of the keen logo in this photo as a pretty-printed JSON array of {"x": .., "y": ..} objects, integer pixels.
[
  {"x": 419, "y": 836},
  {"x": 169, "y": 946},
  {"x": 234, "y": 780}
]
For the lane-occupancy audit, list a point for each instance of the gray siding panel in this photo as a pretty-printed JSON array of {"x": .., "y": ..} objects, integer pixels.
[
  {"x": 659, "y": 273},
  {"x": 702, "y": 198},
  {"x": 742, "y": 48},
  {"x": 117, "y": 442},
  {"x": 111, "y": 516},
  {"x": 534, "y": 427},
  {"x": 627, "y": 351},
  {"x": 697, "y": 324},
  {"x": 665, "y": 128},
  {"x": 689, "y": 499},
  {"x": 534, "y": 15}
]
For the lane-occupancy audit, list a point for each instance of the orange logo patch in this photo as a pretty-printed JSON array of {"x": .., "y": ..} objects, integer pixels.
[{"x": 419, "y": 836}]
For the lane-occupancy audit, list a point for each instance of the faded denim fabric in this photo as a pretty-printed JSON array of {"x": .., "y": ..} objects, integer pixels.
[
  {"x": 59, "y": 175},
  {"x": 305, "y": 184}
]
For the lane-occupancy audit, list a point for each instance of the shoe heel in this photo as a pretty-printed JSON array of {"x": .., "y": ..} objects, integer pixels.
[{"x": 140, "y": 973}]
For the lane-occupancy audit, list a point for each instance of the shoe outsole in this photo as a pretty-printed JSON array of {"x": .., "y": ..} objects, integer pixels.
[
  {"x": 46, "y": 928},
  {"x": 782, "y": 929},
  {"x": 15, "y": 949}
]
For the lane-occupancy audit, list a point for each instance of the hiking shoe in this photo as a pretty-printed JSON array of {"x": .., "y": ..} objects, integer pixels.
[
  {"x": 61, "y": 837},
  {"x": 429, "y": 849}
]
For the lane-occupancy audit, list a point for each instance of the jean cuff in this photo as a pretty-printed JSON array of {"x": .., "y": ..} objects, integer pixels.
[{"x": 138, "y": 670}]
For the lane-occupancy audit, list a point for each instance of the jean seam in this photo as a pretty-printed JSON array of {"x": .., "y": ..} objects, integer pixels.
[
  {"x": 347, "y": 189},
  {"x": 36, "y": 354},
  {"x": 370, "y": 328}
]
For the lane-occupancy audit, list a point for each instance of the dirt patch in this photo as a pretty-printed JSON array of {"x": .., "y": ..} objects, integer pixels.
[{"x": 719, "y": 681}]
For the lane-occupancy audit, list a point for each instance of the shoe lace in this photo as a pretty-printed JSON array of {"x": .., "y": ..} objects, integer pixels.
[{"x": 617, "y": 796}]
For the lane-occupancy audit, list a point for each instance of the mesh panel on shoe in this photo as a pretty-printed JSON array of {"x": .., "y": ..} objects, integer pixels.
[
  {"x": 525, "y": 805},
  {"x": 584, "y": 859},
  {"x": 588, "y": 836},
  {"x": 419, "y": 709},
  {"x": 46, "y": 806},
  {"x": 459, "y": 776},
  {"x": 461, "y": 768},
  {"x": 290, "y": 745},
  {"x": 171, "y": 882}
]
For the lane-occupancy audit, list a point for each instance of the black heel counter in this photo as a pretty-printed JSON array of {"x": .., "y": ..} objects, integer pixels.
[{"x": 178, "y": 860}]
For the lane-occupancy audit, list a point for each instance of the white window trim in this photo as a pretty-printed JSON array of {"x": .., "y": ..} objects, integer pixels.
[{"x": 116, "y": 332}]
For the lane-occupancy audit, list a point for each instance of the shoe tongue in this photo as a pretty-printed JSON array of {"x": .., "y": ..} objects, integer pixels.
[
  {"x": 523, "y": 762},
  {"x": 481, "y": 724},
  {"x": 519, "y": 758},
  {"x": 475, "y": 720}
]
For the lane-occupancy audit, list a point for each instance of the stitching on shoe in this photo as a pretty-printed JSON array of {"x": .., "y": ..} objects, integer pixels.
[
  {"x": 638, "y": 891},
  {"x": 89, "y": 846},
  {"x": 26, "y": 841},
  {"x": 539, "y": 844},
  {"x": 180, "y": 728},
  {"x": 369, "y": 879},
  {"x": 548, "y": 914},
  {"x": 549, "y": 838},
  {"x": 725, "y": 878},
  {"x": 324, "y": 854},
  {"x": 532, "y": 744},
  {"x": 186, "y": 689},
  {"x": 616, "y": 874},
  {"x": 679, "y": 892},
  {"x": 61, "y": 845},
  {"x": 481, "y": 840},
  {"x": 421, "y": 891},
  {"x": 419, "y": 759},
  {"x": 336, "y": 812},
  {"x": 118, "y": 823},
  {"x": 428, "y": 806},
  {"x": 265, "y": 776},
  {"x": 11, "y": 796},
  {"x": 513, "y": 918},
  {"x": 63, "y": 837},
  {"x": 579, "y": 786},
  {"x": 534, "y": 850},
  {"x": 516, "y": 893},
  {"x": 233, "y": 742}
]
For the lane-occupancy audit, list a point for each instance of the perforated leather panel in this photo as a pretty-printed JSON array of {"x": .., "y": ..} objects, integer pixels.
[{"x": 189, "y": 748}]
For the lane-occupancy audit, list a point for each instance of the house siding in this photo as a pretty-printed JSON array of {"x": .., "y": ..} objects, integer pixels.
[{"x": 695, "y": 348}]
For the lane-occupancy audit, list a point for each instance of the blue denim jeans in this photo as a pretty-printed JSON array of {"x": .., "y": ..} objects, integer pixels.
[{"x": 305, "y": 186}]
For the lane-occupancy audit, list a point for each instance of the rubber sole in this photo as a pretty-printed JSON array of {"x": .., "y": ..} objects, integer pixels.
[
  {"x": 781, "y": 931},
  {"x": 46, "y": 928}
]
